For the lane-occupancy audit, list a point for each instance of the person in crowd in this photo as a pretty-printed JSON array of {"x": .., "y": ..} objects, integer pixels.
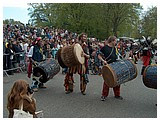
[
  {"x": 21, "y": 52},
  {"x": 121, "y": 48},
  {"x": 19, "y": 94},
  {"x": 16, "y": 49},
  {"x": 90, "y": 47},
  {"x": 25, "y": 46},
  {"x": 54, "y": 51},
  {"x": 4, "y": 55},
  {"x": 146, "y": 58},
  {"x": 134, "y": 54},
  {"x": 47, "y": 48},
  {"x": 82, "y": 69},
  {"x": 108, "y": 55},
  {"x": 35, "y": 55},
  {"x": 96, "y": 63},
  {"x": 9, "y": 57}
]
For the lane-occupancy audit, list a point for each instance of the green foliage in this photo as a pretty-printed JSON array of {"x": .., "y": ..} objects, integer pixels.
[
  {"x": 149, "y": 23},
  {"x": 96, "y": 19},
  {"x": 11, "y": 21}
]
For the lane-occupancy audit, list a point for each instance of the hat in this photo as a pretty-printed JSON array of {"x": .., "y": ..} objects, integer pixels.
[{"x": 38, "y": 38}]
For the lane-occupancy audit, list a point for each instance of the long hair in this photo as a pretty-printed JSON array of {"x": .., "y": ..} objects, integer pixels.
[
  {"x": 15, "y": 96},
  {"x": 111, "y": 39},
  {"x": 80, "y": 38}
]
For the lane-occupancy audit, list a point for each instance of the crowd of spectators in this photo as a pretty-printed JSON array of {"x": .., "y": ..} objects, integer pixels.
[{"x": 18, "y": 38}]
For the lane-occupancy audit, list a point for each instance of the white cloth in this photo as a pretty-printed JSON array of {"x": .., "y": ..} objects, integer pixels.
[
  {"x": 11, "y": 57},
  {"x": 19, "y": 113},
  {"x": 25, "y": 47},
  {"x": 30, "y": 53}
]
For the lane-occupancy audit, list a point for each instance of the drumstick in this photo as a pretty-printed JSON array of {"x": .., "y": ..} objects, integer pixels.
[{"x": 108, "y": 60}]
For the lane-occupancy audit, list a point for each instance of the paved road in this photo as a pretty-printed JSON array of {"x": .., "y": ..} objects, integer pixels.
[{"x": 139, "y": 101}]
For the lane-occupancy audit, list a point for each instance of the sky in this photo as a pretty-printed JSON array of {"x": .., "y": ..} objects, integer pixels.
[
  {"x": 19, "y": 12},
  {"x": 16, "y": 13}
]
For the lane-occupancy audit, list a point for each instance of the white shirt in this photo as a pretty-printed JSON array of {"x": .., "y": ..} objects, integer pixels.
[
  {"x": 30, "y": 53},
  {"x": 25, "y": 47}
]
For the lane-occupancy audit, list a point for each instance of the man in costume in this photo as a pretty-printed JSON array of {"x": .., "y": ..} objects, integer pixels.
[
  {"x": 108, "y": 55},
  {"x": 82, "y": 69},
  {"x": 146, "y": 58},
  {"x": 35, "y": 56}
]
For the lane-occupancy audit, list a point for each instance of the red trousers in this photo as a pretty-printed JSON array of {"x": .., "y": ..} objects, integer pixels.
[
  {"x": 29, "y": 69},
  {"x": 105, "y": 90},
  {"x": 146, "y": 60}
]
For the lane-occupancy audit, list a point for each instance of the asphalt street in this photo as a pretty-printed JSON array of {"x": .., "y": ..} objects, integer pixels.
[{"x": 139, "y": 101}]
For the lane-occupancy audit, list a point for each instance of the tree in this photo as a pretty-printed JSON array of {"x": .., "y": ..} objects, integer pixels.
[
  {"x": 98, "y": 20},
  {"x": 11, "y": 21},
  {"x": 149, "y": 23}
]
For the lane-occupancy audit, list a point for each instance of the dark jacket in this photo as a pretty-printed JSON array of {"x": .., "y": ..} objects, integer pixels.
[{"x": 37, "y": 54}]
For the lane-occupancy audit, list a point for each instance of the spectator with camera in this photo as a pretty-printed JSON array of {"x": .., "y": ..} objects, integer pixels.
[{"x": 21, "y": 94}]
